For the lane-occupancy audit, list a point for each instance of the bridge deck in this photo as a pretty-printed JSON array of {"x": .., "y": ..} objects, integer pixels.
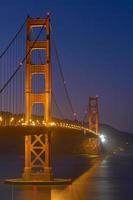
[{"x": 37, "y": 129}]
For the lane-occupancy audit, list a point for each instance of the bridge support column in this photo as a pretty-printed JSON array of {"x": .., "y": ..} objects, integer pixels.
[
  {"x": 94, "y": 146},
  {"x": 38, "y": 157},
  {"x": 27, "y": 168}
]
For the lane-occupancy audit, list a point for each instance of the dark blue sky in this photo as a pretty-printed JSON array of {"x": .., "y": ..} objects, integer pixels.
[{"x": 95, "y": 42}]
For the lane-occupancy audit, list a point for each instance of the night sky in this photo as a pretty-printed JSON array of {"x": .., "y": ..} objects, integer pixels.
[{"x": 95, "y": 43}]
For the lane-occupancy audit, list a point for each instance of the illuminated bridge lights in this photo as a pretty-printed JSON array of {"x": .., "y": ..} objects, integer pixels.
[{"x": 41, "y": 123}]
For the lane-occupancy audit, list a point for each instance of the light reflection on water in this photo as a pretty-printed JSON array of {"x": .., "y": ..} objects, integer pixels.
[
  {"x": 108, "y": 179},
  {"x": 76, "y": 191},
  {"x": 41, "y": 193},
  {"x": 33, "y": 193}
]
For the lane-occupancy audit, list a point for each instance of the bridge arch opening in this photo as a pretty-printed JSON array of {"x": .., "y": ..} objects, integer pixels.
[
  {"x": 38, "y": 56},
  {"x": 38, "y": 30},
  {"x": 38, "y": 112},
  {"x": 38, "y": 83}
]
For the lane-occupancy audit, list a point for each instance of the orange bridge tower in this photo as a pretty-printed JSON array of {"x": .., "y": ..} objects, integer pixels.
[
  {"x": 94, "y": 114},
  {"x": 38, "y": 147},
  {"x": 94, "y": 143}
]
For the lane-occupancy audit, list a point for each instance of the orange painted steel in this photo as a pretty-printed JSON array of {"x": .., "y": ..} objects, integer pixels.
[
  {"x": 38, "y": 147},
  {"x": 94, "y": 114}
]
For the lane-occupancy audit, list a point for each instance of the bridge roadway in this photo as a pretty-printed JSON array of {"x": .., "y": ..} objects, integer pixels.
[{"x": 32, "y": 129}]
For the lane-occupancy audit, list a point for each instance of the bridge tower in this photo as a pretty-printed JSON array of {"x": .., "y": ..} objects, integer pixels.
[
  {"x": 94, "y": 114},
  {"x": 94, "y": 143},
  {"x": 38, "y": 147}
]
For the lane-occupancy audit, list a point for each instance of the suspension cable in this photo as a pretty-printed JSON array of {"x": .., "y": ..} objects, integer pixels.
[
  {"x": 57, "y": 106},
  {"x": 85, "y": 115},
  {"x": 53, "y": 95},
  {"x": 21, "y": 63},
  {"x": 13, "y": 39},
  {"x": 62, "y": 76}
]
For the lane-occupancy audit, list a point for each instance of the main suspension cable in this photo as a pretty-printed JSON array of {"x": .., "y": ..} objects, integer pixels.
[
  {"x": 21, "y": 63},
  {"x": 53, "y": 95},
  {"x": 62, "y": 76},
  {"x": 13, "y": 39},
  {"x": 57, "y": 105}
]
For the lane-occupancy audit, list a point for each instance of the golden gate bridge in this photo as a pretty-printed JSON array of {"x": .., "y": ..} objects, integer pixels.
[{"x": 28, "y": 100}]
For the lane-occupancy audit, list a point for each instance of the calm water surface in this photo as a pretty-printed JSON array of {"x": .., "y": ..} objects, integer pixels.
[{"x": 93, "y": 179}]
